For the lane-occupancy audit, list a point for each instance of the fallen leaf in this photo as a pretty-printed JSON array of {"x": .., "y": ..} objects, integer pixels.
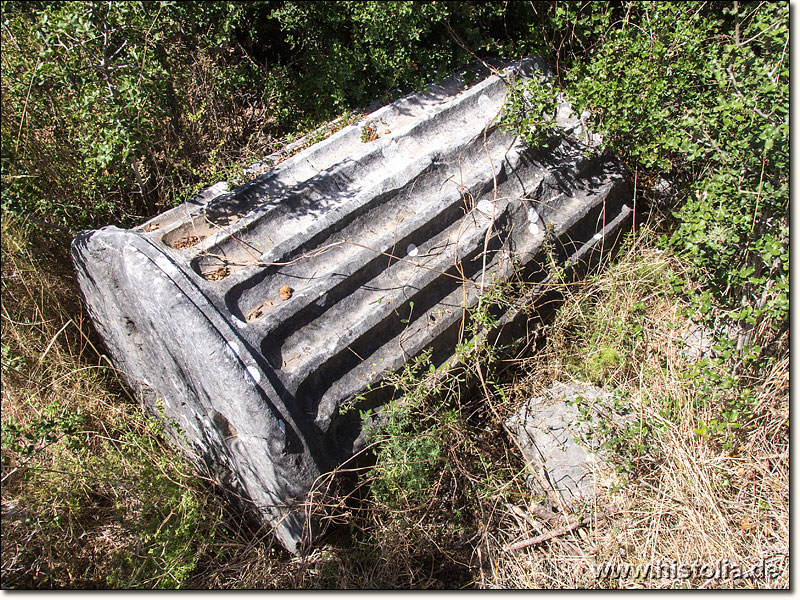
[
  {"x": 220, "y": 273},
  {"x": 188, "y": 242}
]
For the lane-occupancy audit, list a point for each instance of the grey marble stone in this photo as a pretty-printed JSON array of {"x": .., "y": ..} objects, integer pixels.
[
  {"x": 560, "y": 437},
  {"x": 249, "y": 316}
]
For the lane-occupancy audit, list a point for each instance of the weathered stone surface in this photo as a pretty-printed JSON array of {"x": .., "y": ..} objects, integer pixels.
[
  {"x": 559, "y": 437},
  {"x": 251, "y": 316},
  {"x": 697, "y": 342}
]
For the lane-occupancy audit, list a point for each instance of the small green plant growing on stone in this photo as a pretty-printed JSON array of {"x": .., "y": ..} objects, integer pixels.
[
  {"x": 530, "y": 110},
  {"x": 369, "y": 133},
  {"x": 406, "y": 459}
]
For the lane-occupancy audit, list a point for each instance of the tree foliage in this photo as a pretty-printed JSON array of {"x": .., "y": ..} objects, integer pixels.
[
  {"x": 109, "y": 107},
  {"x": 695, "y": 98},
  {"x": 699, "y": 94}
]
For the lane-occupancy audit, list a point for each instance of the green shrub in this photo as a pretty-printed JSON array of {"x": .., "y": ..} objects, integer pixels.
[
  {"x": 111, "y": 110},
  {"x": 698, "y": 94}
]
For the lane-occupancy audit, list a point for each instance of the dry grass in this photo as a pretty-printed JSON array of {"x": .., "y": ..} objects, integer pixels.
[
  {"x": 685, "y": 500},
  {"x": 90, "y": 517},
  {"x": 89, "y": 488}
]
